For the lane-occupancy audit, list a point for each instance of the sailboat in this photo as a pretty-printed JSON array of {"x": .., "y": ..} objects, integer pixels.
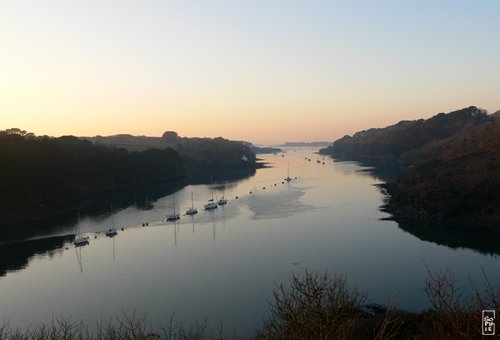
[
  {"x": 211, "y": 204},
  {"x": 192, "y": 210},
  {"x": 288, "y": 179},
  {"x": 175, "y": 215},
  {"x": 111, "y": 231},
  {"x": 80, "y": 239},
  {"x": 222, "y": 200}
]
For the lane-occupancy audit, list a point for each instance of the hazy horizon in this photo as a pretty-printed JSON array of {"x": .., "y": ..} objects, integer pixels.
[{"x": 264, "y": 72}]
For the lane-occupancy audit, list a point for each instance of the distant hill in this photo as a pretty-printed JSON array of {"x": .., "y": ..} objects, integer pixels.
[
  {"x": 129, "y": 142},
  {"x": 201, "y": 155},
  {"x": 452, "y": 161},
  {"x": 304, "y": 144},
  {"x": 265, "y": 149}
]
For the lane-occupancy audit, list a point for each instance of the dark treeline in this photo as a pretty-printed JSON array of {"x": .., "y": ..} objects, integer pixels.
[
  {"x": 401, "y": 141},
  {"x": 210, "y": 155},
  {"x": 451, "y": 162},
  {"x": 463, "y": 181},
  {"x": 41, "y": 175},
  {"x": 202, "y": 156}
]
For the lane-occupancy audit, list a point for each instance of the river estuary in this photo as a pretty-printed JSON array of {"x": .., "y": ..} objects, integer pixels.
[{"x": 223, "y": 264}]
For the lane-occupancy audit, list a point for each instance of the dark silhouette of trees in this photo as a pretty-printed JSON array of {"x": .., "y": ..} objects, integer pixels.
[
  {"x": 397, "y": 142},
  {"x": 41, "y": 175},
  {"x": 212, "y": 154},
  {"x": 463, "y": 181}
]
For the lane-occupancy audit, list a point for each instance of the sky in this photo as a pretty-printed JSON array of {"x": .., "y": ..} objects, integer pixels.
[{"x": 265, "y": 71}]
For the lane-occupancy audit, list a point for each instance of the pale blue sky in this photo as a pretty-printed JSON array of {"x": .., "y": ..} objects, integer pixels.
[{"x": 264, "y": 71}]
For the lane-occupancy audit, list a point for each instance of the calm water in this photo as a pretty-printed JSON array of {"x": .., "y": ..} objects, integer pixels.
[{"x": 224, "y": 264}]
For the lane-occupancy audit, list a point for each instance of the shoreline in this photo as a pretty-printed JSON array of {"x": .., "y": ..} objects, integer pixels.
[{"x": 19, "y": 227}]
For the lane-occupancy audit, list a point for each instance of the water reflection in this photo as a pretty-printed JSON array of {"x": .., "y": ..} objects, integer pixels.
[
  {"x": 142, "y": 198},
  {"x": 79, "y": 257},
  {"x": 16, "y": 256},
  {"x": 112, "y": 237},
  {"x": 384, "y": 172},
  {"x": 481, "y": 239}
]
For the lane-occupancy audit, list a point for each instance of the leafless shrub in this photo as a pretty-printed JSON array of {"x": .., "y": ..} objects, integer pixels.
[
  {"x": 392, "y": 323},
  {"x": 454, "y": 315},
  {"x": 127, "y": 327},
  {"x": 314, "y": 306}
]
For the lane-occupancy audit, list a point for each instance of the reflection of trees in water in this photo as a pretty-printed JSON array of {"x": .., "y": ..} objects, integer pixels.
[
  {"x": 16, "y": 256},
  {"x": 79, "y": 257},
  {"x": 385, "y": 172},
  {"x": 484, "y": 240},
  {"x": 141, "y": 198}
]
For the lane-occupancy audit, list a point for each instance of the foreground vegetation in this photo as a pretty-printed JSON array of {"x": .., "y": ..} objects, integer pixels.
[{"x": 311, "y": 306}]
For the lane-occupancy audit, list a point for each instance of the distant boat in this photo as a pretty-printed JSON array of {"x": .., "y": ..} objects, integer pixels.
[
  {"x": 111, "y": 232},
  {"x": 192, "y": 210},
  {"x": 175, "y": 215},
  {"x": 211, "y": 204},
  {"x": 222, "y": 201},
  {"x": 80, "y": 240}
]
